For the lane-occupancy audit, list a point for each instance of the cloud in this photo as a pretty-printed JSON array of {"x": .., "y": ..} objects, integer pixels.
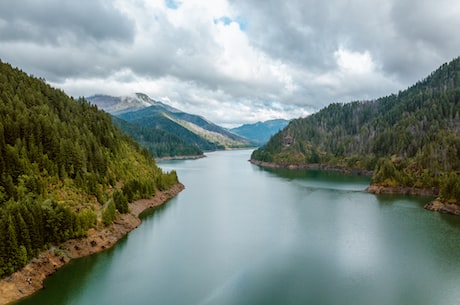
[
  {"x": 61, "y": 39},
  {"x": 232, "y": 61},
  {"x": 63, "y": 22}
]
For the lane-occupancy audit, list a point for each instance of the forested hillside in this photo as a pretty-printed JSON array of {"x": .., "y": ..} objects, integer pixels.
[
  {"x": 408, "y": 139},
  {"x": 154, "y": 117},
  {"x": 150, "y": 115},
  {"x": 158, "y": 142},
  {"x": 64, "y": 168}
]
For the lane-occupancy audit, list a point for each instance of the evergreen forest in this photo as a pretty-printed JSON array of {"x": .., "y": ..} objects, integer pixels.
[
  {"x": 158, "y": 142},
  {"x": 64, "y": 168},
  {"x": 409, "y": 139},
  {"x": 156, "y": 118}
]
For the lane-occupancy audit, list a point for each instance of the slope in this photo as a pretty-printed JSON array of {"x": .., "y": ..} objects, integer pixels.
[
  {"x": 155, "y": 118},
  {"x": 157, "y": 141},
  {"x": 118, "y": 105},
  {"x": 64, "y": 168},
  {"x": 192, "y": 129},
  {"x": 260, "y": 132},
  {"x": 411, "y": 139}
]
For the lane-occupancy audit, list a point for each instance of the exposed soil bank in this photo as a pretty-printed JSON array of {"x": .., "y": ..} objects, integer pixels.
[
  {"x": 402, "y": 190},
  {"x": 436, "y": 205},
  {"x": 180, "y": 158},
  {"x": 443, "y": 207},
  {"x": 320, "y": 166},
  {"x": 30, "y": 279}
]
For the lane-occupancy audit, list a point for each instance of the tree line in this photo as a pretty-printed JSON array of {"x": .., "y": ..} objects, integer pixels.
[
  {"x": 158, "y": 142},
  {"x": 64, "y": 168},
  {"x": 408, "y": 139}
]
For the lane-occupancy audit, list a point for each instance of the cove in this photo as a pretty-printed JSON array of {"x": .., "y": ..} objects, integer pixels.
[{"x": 241, "y": 234}]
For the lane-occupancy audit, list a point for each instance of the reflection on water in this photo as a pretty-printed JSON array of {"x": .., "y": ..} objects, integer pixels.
[{"x": 240, "y": 234}]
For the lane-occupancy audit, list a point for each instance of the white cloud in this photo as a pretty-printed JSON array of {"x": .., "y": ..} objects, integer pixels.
[
  {"x": 232, "y": 61},
  {"x": 354, "y": 62}
]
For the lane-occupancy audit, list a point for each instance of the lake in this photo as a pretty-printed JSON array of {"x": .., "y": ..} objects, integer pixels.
[{"x": 240, "y": 234}]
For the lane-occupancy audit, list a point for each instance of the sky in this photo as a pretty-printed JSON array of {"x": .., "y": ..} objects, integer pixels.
[{"x": 231, "y": 61}]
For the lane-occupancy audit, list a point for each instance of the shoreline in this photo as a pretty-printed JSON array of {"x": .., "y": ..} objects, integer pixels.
[
  {"x": 31, "y": 277},
  {"x": 402, "y": 190},
  {"x": 192, "y": 157},
  {"x": 443, "y": 207},
  {"x": 435, "y": 206},
  {"x": 318, "y": 166}
]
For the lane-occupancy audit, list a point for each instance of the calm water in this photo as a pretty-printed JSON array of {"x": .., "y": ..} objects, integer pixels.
[{"x": 239, "y": 234}]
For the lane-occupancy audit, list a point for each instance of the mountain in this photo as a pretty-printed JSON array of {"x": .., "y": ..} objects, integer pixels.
[
  {"x": 158, "y": 142},
  {"x": 409, "y": 140},
  {"x": 64, "y": 168},
  {"x": 119, "y": 105},
  {"x": 260, "y": 132},
  {"x": 194, "y": 130}
]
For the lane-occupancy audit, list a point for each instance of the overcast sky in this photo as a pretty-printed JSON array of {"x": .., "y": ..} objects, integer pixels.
[{"x": 232, "y": 61}]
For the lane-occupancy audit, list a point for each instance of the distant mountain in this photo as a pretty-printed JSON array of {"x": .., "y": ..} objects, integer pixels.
[
  {"x": 193, "y": 130},
  {"x": 260, "y": 132},
  {"x": 409, "y": 140}
]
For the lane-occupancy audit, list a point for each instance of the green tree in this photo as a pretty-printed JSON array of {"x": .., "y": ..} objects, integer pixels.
[
  {"x": 121, "y": 202},
  {"x": 109, "y": 213}
]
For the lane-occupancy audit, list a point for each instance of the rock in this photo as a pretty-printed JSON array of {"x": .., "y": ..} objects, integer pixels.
[
  {"x": 402, "y": 190},
  {"x": 443, "y": 207},
  {"x": 453, "y": 209},
  {"x": 430, "y": 206}
]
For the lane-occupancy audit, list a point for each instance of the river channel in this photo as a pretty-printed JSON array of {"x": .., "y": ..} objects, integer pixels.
[{"x": 241, "y": 234}]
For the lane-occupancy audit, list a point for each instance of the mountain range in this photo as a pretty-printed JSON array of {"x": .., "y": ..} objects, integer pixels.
[
  {"x": 155, "y": 124},
  {"x": 260, "y": 132},
  {"x": 128, "y": 103}
]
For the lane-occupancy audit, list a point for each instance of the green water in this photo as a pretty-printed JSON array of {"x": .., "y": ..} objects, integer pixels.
[{"x": 239, "y": 234}]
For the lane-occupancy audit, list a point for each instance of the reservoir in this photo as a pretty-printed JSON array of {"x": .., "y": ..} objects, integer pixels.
[{"x": 241, "y": 234}]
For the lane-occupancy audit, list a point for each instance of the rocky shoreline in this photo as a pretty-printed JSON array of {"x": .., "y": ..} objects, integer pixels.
[
  {"x": 320, "y": 166},
  {"x": 435, "y": 206},
  {"x": 193, "y": 157},
  {"x": 443, "y": 207},
  {"x": 402, "y": 190},
  {"x": 30, "y": 279}
]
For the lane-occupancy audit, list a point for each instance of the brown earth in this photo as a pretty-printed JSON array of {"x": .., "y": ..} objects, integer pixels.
[
  {"x": 319, "y": 166},
  {"x": 192, "y": 157},
  {"x": 30, "y": 279},
  {"x": 435, "y": 206},
  {"x": 402, "y": 190},
  {"x": 443, "y": 207}
]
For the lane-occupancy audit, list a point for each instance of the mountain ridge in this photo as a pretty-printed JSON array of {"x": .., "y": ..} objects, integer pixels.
[
  {"x": 194, "y": 130},
  {"x": 260, "y": 132}
]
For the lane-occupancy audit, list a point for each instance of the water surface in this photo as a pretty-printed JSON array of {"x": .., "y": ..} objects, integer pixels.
[{"x": 240, "y": 234}]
